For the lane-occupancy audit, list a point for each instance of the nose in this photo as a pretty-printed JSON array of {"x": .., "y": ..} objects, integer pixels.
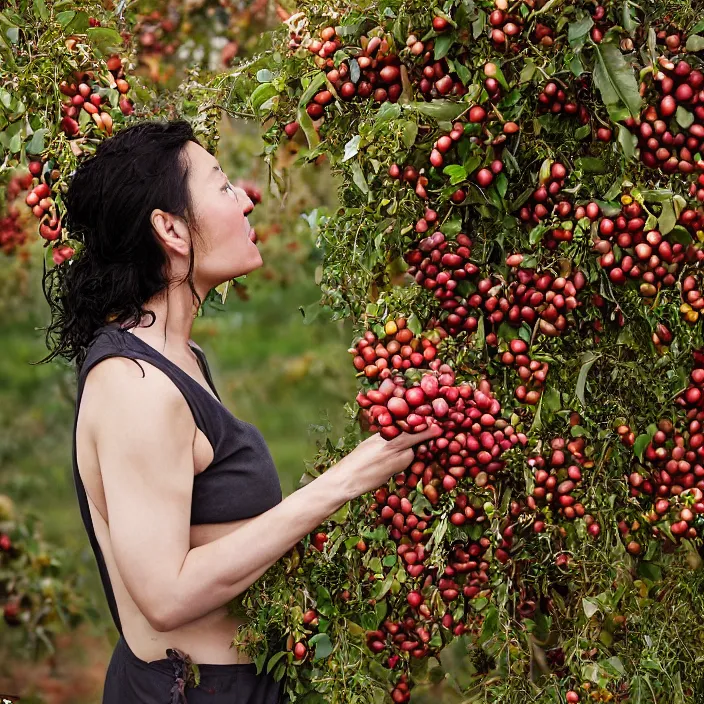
[{"x": 249, "y": 207}]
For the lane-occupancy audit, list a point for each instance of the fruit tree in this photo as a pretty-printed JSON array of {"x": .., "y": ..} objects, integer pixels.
[{"x": 519, "y": 243}]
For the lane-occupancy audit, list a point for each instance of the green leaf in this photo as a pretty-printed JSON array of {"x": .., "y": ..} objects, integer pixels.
[
  {"x": 659, "y": 195},
  {"x": 414, "y": 324},
  {"x": 590, "y": 607},
  {"x": 684, "y": 117},
  {"x": 274, "y": 659},
  {"x": 667, "y": 219},
  {"x": 456, "y": 173},
  {"x": 695, "y": 43},
  {"x": 306, "y": 124},
  {"x": 312, "y": 89},
  {"x": 587, "y": 360},
  {"x": 40, "y": 9},
  {"x": 36, "y": 144},
  {"x": 261, "y": 94},
  {"x": 616, "y": 81},
  {"x": 438, "y": 109},
  {"x": 107, "y": 41},
  {"x": 583, "y": 131},
  {"x": 409, "y": 133},
  {"x": 577, "y": 31},
  {"x": 576, "y": 65},
  {"x": 478, "y": 25},
  {"x": 591, "y": 165},
  {"x": 323, "y": 646},
  {"x": 527, "y": 71},
  {"x": 264, "y": 75},
  {"x": 358, "y": 177},
  {"x": 627, "y": 141},
  {"x": 642, "y": 441},
  {"x": 443, "y": 44},
  {"x": 387, "y": 111},
  {"x": 352, "y": 148},
  {"x": 501, "y": 184}
]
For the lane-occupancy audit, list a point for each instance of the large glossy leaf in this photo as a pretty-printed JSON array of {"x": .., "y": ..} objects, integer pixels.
[
  {"x": 616, "y": 81},
  {"x": 439, "y": 109}
]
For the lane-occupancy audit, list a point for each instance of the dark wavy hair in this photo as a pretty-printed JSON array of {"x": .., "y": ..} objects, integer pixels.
[{"x": 108, "y": 205}]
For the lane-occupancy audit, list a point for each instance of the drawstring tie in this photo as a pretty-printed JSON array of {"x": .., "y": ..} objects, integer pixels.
[{"x": 184, "y": 674}]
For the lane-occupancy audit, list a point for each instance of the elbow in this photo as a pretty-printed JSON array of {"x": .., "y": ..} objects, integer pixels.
[
  {"x": 162, "y": 617},
  {"x": 160, "y": 622}
]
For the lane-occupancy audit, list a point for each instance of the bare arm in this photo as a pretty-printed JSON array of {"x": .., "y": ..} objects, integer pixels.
[{"x": 144, "y": 441}]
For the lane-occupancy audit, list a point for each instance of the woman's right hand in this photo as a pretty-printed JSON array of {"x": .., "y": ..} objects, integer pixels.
[{"x": 375, "y": 460}]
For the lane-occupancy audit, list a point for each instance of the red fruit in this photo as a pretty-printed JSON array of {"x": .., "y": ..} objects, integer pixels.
[
  {"x": 606, "y": 227},
  {"x": 444, "y": 85},
  {"x": 415, "y": 599},
  {"x": 309, "y": 616},
  {"x": 477, "y": 114},
  {"x": 440, "y": 24},
  {"x": 299, "y": 651},
  {"x": 436, "y": 158},
  {"x": 398, "y": 407},
  {"x": 35, "y": 168},
  {"x": 668, "y": 105},
  {"x": 444, "y": 143},
  {"x": 11, "y": 612},
  {"x": 415, "y": 396},
  {"x": 558, "y": 171},
  {"x": 290, "y": 129},
  {"x": 484, "y": 177},
  {"x": 390, "y": 74}
]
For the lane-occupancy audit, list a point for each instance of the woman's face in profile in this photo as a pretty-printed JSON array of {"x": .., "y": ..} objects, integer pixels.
[{"x": 227, "y": 249}]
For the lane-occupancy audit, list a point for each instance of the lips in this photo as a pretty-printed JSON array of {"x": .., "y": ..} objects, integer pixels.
[{"x": 252, "y": 235}]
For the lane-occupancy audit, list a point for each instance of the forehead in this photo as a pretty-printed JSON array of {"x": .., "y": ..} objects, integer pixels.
[{"x": 201, "y": 162}]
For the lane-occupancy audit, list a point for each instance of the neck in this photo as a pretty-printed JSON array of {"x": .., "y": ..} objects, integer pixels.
[{"x": 175, "y": 310}]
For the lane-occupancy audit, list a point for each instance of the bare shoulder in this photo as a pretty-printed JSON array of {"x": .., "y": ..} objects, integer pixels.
[{"x": 134, "y": 389}]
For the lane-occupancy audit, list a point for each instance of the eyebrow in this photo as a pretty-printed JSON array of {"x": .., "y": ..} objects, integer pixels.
[{"x": 217, "y": 168}]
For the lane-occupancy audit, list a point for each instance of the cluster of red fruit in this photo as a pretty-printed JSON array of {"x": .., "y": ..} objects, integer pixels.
[
  {"x": 676, "y": 476},
  {"x": 12, "y": 234},
  {"x": 12, "y": 608},
  {"x": 39, "y": 199},
  {"x": 399, "y": 350},
  {"x": 482, "y": 175},
  {"x": 664, "y": 140},
  {"x": 375, "y": 72},
  {"x": 505, "y": 26},
  {"x": 647, "y": 256},
  {"x": 556, "y": 478},
  {"x": 153, "y": 29},
  {"x": 86, "y": 94},
  {"x": 553, "y": 99},
  {"x": 410, "y": 175},
  {"x": 546, "y": 199},
  {"x": 538, "y": 296},
  {"x": 438, "y": 78}
]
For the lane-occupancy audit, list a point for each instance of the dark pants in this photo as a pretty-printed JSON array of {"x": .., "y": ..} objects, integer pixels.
[{"x": 130, "y": 680}]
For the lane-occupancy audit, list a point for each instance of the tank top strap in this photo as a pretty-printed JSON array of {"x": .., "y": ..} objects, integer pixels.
[{"x": 111, "y": 341}]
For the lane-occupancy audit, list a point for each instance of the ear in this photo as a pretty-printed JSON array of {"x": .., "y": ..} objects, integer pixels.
[{"x": 171, "y": 230}]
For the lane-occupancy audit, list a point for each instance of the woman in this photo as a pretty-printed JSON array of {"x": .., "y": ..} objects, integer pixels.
[{"x": 180, "y": 499}]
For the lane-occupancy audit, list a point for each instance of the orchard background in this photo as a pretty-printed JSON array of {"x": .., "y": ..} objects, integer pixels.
[{"x": 512, "y": 243}]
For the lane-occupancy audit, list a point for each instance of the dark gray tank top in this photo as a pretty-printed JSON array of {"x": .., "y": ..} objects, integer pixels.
[{"x": 240, "y": 482}]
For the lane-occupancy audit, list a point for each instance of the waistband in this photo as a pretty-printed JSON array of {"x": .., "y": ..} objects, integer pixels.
[{"x": 177, "y": 660}]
